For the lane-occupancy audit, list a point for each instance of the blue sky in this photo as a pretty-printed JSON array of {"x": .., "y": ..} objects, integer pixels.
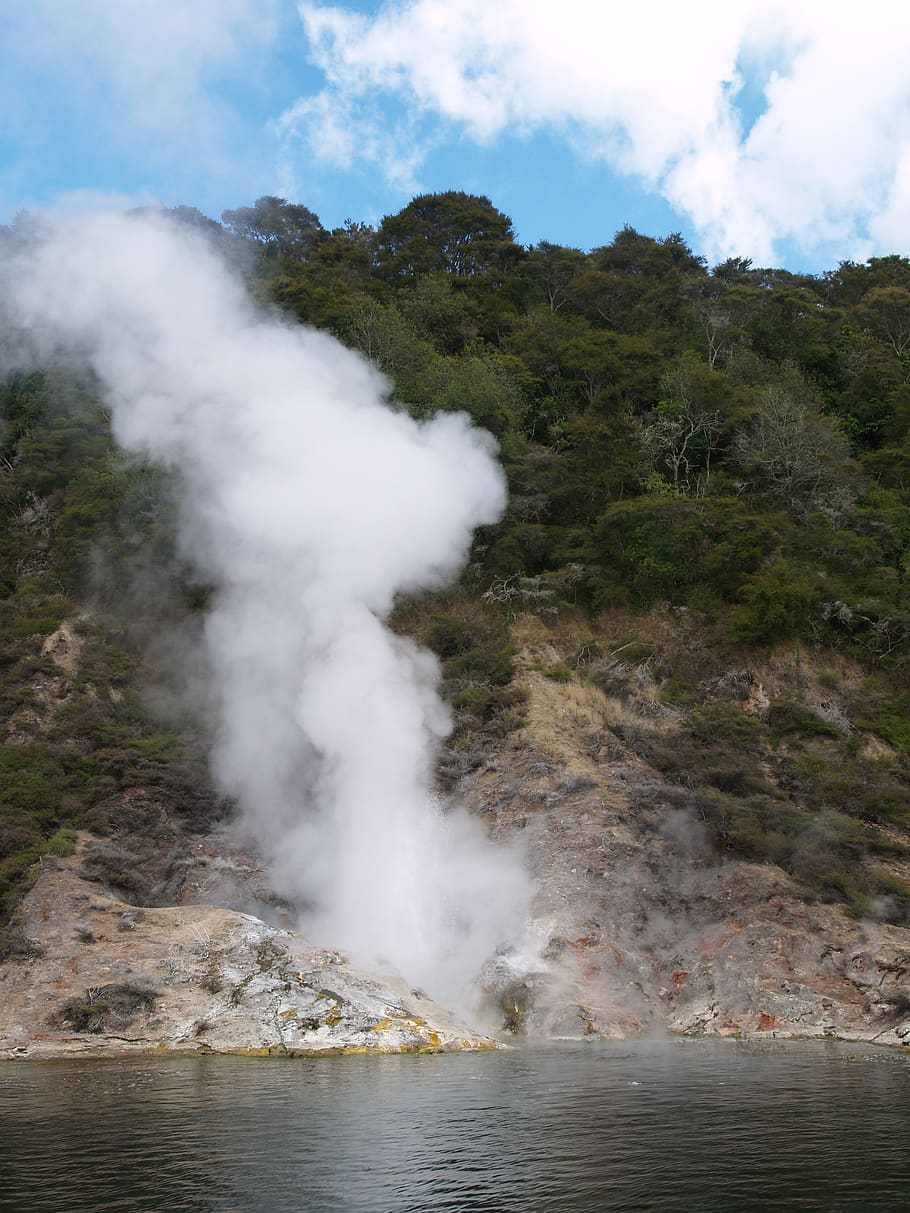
[{"x": 751, "y": 129}]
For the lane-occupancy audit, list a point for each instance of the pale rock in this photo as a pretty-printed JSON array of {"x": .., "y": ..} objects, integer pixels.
[{"x": 111, "y": 979}]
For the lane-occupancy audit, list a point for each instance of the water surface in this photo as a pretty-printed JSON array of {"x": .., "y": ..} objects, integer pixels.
[{"x": 674, "y": 1125}]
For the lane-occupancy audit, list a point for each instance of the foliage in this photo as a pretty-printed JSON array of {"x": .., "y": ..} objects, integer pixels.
[
  {"x": 453, "y": 232},
  {"x": 794, "y": 792},
  {"x": 109, "y": 1008},
  {"x": 476, "y": 656},
  {"x": 793, "y": 452},
  {"x": 730, "y": 444},
  {"x": 276, "y": 224}
]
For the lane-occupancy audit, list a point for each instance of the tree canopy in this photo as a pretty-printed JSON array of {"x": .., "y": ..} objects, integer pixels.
[{"x": 454, "y": 232}]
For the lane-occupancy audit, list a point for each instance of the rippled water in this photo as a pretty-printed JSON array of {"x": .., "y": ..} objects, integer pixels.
[{"x": 675, "y": 1125}]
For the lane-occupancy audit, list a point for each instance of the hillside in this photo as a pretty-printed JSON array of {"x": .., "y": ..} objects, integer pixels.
[
  {"x": 649, "y": 914},
  {"x": 653, "y": 912},
  {"x": 677, "y": 666}
]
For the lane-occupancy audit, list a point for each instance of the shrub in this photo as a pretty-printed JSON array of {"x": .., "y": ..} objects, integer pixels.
[
  {"x": 737, "y": 778},
  {"x": 676, "y": 693},
  {"x": 879, "y": 708},
  {"x": 16, "y": 945},
  {"x": 109, "y": 1008},
  {"x": 18, "y": 871},
  {"x": 787, "y": 717},
  {"x": 778, "y": 605},
  {"x": 714, "y": 723}
]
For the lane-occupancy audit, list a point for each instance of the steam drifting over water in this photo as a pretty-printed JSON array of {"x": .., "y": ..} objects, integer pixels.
[{"x": 308, "y": 503}]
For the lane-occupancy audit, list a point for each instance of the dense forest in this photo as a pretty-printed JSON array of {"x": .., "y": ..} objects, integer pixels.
[{"x": 725, "y": 444}]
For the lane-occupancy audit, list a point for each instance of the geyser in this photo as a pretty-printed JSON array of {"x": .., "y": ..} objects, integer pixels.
[{"x": 308, "y": 502}]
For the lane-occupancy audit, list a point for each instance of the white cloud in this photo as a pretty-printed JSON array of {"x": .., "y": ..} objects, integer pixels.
[
  {"x": 654, "y": 88},
  {"x": 153, "y": 58},
  {"x": 340, "y": 133},
  {"x": 150, "y": 83}
]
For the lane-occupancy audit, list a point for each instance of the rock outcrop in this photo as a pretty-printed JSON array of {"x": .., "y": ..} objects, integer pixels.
[
  {"x": 640, "y": 925},
  {"x": 98, "y": 976}
]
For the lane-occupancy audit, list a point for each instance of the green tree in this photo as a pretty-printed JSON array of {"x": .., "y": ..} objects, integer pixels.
[
  {"x": 438, "y": 312},
  {"x": 392, "y": 345},
  {"x": 484, "y": 387},
  {"x": 553, "y": 269},
  {"x": 277, "y": 225},
  {"x": 637, "y": 284},
  {"x": 452, "y": 233},
  {"x": 886, "y": 312}
]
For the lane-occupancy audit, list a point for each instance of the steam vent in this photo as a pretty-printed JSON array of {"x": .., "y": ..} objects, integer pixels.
[{"x": 112, "y": 979}]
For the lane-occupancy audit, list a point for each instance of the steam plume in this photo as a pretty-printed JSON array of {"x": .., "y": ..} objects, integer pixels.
[{"x": 309, "y": 503}]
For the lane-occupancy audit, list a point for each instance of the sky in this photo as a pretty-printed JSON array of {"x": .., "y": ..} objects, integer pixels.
[{"x": 756, "y": 128}]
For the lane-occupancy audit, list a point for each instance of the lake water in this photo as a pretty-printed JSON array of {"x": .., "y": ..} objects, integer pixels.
[{"x": 672, "y": 1125}]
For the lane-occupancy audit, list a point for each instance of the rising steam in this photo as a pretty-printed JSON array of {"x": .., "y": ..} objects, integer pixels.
[{"x": 309, "y": 503}]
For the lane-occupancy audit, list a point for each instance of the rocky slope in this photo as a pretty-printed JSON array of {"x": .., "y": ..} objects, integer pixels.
[
  {"x": 161, "y": 933},
  {"x": 639, "y": 924},
  {"x": 103, "y": 977},
  {"x": 162, "y": 937}
]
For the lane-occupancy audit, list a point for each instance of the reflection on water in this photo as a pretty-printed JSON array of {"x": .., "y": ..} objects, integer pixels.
[{"x": 675, "y": 1125}]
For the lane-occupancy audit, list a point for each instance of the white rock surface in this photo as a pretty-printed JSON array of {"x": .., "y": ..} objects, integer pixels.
[{"x": 108, "y": 978}]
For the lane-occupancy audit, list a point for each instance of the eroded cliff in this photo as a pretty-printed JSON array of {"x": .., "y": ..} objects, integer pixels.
[{"x": 641, "y": 922}]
